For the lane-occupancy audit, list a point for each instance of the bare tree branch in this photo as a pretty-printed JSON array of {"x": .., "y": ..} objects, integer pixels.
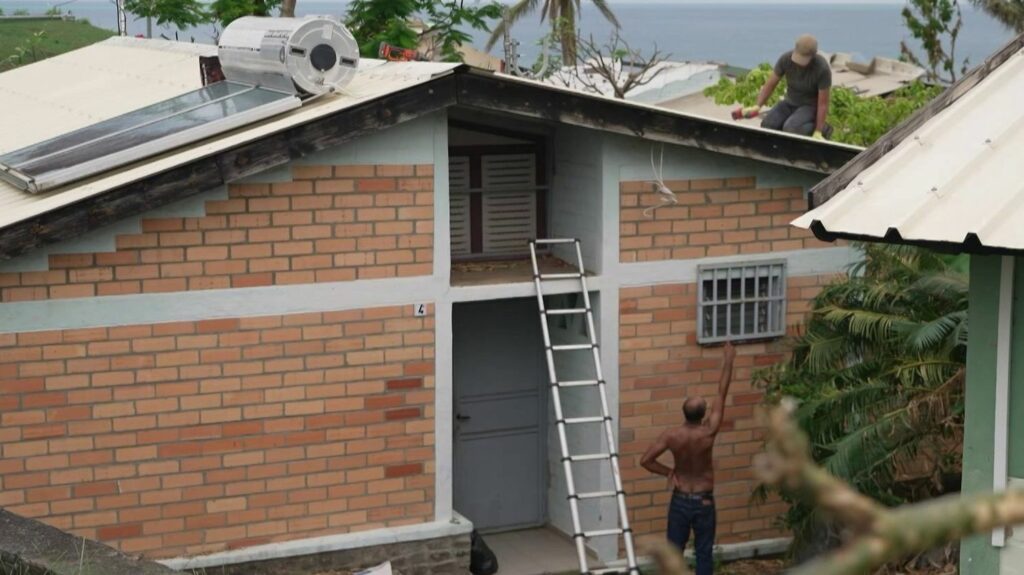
[{"x": 615, "y": 65}]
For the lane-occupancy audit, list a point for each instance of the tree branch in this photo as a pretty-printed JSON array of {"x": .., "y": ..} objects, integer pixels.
[{"x": 882, "y": 535}]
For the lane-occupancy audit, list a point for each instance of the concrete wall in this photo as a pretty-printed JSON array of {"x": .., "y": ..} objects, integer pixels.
[
  {"x": 589, "y": 438},
  {"x": 575, "y": 206}
]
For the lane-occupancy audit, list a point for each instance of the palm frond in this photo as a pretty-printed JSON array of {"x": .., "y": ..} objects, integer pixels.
[{"x": 606, "y": 11}]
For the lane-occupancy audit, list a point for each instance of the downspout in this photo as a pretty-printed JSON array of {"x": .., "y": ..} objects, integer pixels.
[{"x": 1000, "y": 449}]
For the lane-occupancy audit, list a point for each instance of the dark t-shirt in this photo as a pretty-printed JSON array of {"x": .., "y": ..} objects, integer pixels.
[{"x": 804, "y": 82}]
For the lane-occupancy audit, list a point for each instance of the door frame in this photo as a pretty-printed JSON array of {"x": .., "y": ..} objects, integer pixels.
[{"x": 543, "y": 436}]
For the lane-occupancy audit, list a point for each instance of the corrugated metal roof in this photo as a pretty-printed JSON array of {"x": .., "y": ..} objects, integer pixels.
[
  {"x": 123, "y": 74},
  {"x": 956, "y": 178}
]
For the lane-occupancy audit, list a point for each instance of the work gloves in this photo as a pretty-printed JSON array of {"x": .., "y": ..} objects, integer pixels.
[{"x": 818, "y": 135}]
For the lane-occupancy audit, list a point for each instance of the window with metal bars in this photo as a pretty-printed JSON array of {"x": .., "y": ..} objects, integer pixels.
[{"x": 741, "y": 301}]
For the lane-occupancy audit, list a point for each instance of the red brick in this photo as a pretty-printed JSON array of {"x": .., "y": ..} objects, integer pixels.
[
  {"x": 121, "y": 531},
  {"x": 403, "y": 470}
]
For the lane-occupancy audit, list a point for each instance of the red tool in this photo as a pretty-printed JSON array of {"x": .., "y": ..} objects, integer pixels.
[
  {"x": 738, "y": 113},
  {"x": 396, "y": 54}
]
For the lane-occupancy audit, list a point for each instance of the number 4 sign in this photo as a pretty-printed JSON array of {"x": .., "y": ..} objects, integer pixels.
[{"x": 419, "y": 310}]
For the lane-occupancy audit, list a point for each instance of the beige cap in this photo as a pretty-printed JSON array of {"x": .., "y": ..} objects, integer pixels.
[{"x": 805, "y": 49}]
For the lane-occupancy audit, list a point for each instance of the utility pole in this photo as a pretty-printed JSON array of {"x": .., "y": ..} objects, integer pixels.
[
  {"x": 511, "y": 46},
  {"x": 122, "y": 18}
]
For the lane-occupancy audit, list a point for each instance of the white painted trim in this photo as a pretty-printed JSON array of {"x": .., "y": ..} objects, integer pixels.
[
  {"x": 798, "y": 263},
  {"x": 212, "y": 304},
  {"x": 1000, "y": 457},
  {"x": 521, "y": 289},
  {"x": 328, "y": 543},
  {"x": 444, "y": 451}
]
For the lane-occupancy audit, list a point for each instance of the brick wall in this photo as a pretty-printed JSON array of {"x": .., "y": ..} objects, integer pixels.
[
  {"x": 660, "y": 365},
  {"x": 328, "y": 224},
  {"x": 714, "y": 217},
  {"x": 196, "y": 437}
]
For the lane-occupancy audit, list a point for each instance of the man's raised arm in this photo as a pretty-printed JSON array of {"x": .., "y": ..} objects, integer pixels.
[{"x": 718, "y": 409}]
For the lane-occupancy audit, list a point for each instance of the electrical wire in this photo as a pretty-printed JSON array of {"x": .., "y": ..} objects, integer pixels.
[{"x": 666, "y": 196}]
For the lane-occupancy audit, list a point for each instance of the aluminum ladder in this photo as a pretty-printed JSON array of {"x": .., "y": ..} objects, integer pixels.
[{"x": 604, "y": 419}]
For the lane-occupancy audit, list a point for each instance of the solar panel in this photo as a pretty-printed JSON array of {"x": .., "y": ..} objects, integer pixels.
[{"x": 145, "y": 132}]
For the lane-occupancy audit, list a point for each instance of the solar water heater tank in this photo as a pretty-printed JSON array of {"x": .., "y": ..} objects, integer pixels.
[{"x": 306, "y": 56}]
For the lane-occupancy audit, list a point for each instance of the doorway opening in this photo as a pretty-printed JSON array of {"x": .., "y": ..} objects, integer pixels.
[{"x": 508, "y": 469}]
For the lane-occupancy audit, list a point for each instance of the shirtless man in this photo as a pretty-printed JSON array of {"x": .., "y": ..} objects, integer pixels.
[{"x": 693, "y": 479}]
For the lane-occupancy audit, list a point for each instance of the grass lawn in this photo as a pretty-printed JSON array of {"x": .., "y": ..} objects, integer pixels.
[{"x": 58, "y": 37}]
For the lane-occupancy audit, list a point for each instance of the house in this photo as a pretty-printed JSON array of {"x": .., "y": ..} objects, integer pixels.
[
  {"x": 315, "y": 334},
  {"x": 949, "y": 179}
]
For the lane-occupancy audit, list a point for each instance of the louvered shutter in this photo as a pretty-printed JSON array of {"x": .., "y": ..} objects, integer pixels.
[
  {"x": 509, "y": 203},
  {"x": 458, "y": 187}
]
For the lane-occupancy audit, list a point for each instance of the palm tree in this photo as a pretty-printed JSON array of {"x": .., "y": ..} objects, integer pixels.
[
  {"x": 879, "y": 372},
  {"x": 561, "y": 13},
  {"x": 1009, "y": 12}
]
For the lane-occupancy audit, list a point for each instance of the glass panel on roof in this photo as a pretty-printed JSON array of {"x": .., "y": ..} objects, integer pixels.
[
  {"x": 148, "y": 131},
  {"x": 124, "y": 121}
]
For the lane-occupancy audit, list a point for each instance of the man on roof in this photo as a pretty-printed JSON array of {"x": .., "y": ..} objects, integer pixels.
[{"x": 809, "y": 82}]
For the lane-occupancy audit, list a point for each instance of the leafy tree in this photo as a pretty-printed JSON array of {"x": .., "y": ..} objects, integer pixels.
[
  {"x": 1009, "y": 12},
  {"x": 936, "y": 25},
  {"x": 563, "y": 16},
  {"x": 879, "y": 372},
  {"x": 226, "y": 11},
  {"x": 376, "y": 21},
  {"x": 446, "y": 19},
  {"x": 180, "y": 13},
  {"x": 855, "y": 120}
]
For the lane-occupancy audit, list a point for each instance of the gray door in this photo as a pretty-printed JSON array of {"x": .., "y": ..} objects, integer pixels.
[{"x": 500, "y": 408}]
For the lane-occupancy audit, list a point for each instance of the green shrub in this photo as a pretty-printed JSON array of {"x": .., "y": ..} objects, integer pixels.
[{"x": 855, "y": 120}]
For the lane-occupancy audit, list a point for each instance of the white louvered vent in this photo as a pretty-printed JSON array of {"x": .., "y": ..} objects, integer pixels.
[
  {"x": 509, "y": 171},
  {"x": 460, "y": 223},
  {"x": 458, "y": 173},
  {"x": 509, "y": 222}
]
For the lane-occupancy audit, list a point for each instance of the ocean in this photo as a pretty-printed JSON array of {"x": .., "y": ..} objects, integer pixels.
[{"x": 734, "y": 33}]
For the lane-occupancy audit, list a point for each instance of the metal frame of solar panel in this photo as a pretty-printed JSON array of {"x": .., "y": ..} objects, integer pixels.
[{"x": 160, "y": 127}]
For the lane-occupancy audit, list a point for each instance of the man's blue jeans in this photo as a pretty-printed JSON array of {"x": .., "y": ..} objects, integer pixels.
[{"x": 694, "y": 511}]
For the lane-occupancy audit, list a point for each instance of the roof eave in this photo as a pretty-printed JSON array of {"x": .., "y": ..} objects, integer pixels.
[
  {"x": 215, "y": 170},
  {"x": 970, "y": 244},
  {"x": 488, "y": 91}
]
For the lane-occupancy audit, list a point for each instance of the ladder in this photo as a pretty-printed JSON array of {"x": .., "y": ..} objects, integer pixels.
[{"x": 580, "y": 536}]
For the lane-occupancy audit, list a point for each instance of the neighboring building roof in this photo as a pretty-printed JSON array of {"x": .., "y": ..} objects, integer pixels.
[
  {"x": 950, "y": 176},
  {"x": 122, "y": 74},
  {"x": 673, "y": 80},
  {"x": 878, "y": 77}
]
